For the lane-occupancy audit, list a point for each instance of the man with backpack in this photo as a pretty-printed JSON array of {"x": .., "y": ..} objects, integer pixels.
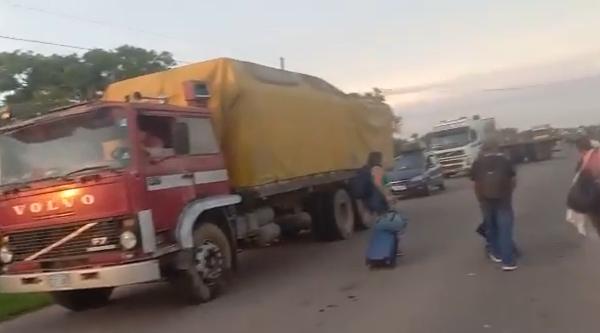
[{"x": 495, "y": 181}]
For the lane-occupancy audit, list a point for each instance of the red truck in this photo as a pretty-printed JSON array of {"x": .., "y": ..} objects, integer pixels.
[{"x": 137, "y": 189}]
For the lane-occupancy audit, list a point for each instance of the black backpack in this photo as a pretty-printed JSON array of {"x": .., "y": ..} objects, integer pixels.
[
  {"x": 494, "y": 178},
  {"x": 584, "y": 194}
]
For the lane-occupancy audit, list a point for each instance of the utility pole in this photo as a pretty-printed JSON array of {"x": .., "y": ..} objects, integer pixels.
[{"x": 282, "y": 63}]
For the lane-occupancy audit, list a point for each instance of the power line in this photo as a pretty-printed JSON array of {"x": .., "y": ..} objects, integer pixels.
[
  {"x": 35, "y": 41},
  {"x": 88, "y": 20}
]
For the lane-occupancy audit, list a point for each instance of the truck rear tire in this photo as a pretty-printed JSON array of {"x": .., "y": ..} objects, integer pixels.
[
  {"x": 84, "y": 299},
  {"x": 212, "y": 263},
  {"x": 343, "y": 214},
  {"x": 332, "y": 214}
]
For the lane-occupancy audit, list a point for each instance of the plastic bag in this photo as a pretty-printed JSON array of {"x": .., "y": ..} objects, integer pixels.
[
  {"x": 578, "y": 220},
  {"x": 392, "y": 221}
]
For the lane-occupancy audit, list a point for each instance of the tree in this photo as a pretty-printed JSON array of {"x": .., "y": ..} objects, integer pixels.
[
  {"x": 49, "y": 81},
  {"x": 378, "y": 98},
  {"x": 397, "y": 125},
  {"x": 398, "y": 146}
]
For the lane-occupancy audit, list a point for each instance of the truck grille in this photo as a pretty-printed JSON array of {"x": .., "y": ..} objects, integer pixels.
[
  {"x": 452, "y": 167},
  {"x": 451, "y": 162},
  {"x": 451, "y": 154},
  {"x": 102, "y": 236}
]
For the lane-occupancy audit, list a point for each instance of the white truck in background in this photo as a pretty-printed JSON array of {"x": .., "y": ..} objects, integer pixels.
[{"x": 457, "y": 142}]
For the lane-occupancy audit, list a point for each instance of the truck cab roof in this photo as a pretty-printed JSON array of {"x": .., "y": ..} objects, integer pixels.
[{"x": 80, "y": 108}]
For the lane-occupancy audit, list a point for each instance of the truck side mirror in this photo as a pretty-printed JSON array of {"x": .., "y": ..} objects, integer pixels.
[
  {"x": 181, "y": 139},
  {"x": 430, "y": 163}
]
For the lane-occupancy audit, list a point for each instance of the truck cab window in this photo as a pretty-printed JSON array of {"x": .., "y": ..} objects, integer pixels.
[
  {"x": 155, "y": 135},
  {"x": 162, "y": 136},
  {"x": 202, "y": 140}
]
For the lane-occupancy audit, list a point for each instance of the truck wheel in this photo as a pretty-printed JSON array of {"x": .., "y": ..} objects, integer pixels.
[
  {"x": 364, "y": 218},
  {"x": 211, "y": 269},
  {"x": 337, "y": 216},
  {"x": 342, "y": 210},
  {"x": 332, "y": 214},
  {"x": 84, "y": 299}
]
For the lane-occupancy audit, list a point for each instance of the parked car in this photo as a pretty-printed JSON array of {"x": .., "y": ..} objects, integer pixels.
[{"x": 415, "y": 173}]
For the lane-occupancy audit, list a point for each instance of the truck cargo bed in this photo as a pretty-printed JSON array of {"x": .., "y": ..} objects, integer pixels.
[
  {"x": 275, "y": 126},
  {"x": 290, "y": 185}
]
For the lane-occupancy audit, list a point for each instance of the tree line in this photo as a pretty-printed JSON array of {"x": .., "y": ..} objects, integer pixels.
[{"x": 32, "y": 82}]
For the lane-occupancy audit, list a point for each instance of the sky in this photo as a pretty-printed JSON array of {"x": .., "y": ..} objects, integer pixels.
[{"x": 355, "y": 45}]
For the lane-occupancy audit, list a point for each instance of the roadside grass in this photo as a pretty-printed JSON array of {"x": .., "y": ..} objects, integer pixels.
[{"x": 12, "y": 305}]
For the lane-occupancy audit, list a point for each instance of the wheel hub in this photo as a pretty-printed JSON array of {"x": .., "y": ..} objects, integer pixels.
[{"x": 209, "y": 260}]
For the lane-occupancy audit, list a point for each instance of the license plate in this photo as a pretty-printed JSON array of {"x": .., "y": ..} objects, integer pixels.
[
  {"x": 59, "y": 281},
  {"x": 398, "y": 188}
]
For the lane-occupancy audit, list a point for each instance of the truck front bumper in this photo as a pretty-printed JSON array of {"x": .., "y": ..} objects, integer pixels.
[{"x": 102, "y": 277}]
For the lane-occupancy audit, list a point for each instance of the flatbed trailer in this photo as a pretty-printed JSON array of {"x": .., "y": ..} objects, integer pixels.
[{"x": 530, "y": 150}]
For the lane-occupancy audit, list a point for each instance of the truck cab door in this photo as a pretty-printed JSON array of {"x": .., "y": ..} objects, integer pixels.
[
  {"x": 195, "y": 137},
  {"x": 168, "y": 184},
  {"x": 187, "y": 166}
]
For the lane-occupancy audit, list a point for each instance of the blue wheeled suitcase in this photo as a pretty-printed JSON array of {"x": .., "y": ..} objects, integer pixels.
[
  {"x": 383, "y": 245},
  {"x": 382, "y": 249}
]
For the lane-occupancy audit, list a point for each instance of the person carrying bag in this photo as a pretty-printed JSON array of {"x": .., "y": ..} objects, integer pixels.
[
  {"x": 584, "y": 194},
  {"x": 583, "y": 199}
]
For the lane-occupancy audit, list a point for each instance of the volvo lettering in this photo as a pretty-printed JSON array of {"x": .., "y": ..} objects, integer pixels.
[{"x": 53, "y": 205}]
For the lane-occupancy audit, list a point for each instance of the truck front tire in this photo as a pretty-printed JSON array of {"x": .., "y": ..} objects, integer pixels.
[
  {"x": 211, "y": 265},
  {"x": 83, "y": 299}
]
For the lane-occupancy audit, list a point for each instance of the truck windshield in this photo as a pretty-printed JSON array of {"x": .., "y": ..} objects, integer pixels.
[
  {"x": 451, "y": 138},
  {"x": 56, "y": 148}
]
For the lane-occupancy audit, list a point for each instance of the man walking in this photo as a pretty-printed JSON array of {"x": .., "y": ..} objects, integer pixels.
[{"x": 495, "y": 180}]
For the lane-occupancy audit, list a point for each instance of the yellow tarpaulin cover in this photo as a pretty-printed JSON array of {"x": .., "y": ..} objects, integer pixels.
[{"x": 275, "y": 125}]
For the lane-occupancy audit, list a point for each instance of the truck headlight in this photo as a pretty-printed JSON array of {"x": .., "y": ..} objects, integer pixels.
[
  {"x": 128, "y": 240},
  {"x": 6, "y": 256}
]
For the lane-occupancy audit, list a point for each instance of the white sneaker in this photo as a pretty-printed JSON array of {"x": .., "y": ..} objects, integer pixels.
[
  {"x": 508, "y": 268},
  {"x": 494, "y": 258}
]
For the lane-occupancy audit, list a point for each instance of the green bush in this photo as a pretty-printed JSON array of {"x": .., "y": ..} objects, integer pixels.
[{"x": 15, "y": 304}]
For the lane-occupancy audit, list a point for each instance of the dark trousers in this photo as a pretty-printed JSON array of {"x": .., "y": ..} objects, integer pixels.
[{"x": 498, "y": 219}]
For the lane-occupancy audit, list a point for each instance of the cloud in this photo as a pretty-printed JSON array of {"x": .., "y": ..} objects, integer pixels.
[{"x": 563, "y": 93}]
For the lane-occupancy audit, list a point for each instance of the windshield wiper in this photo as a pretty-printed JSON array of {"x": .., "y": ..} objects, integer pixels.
[{"x": 88, "y": 168}]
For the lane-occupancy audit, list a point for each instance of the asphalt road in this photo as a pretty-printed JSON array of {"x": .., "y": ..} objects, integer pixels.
[{"x": 444, "y": 284}]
